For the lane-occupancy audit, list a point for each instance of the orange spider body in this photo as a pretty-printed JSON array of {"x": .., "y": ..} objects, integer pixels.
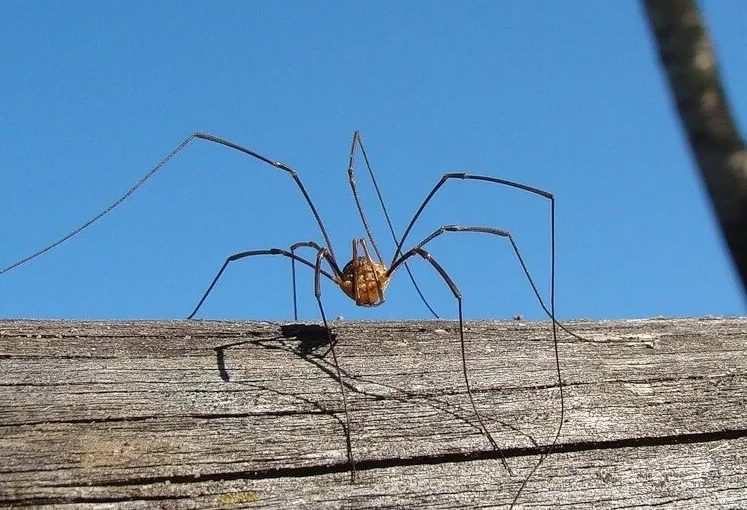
[{"x": 363, "y": 279}]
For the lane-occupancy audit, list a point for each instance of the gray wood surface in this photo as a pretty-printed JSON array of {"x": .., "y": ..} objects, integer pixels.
[{"x": 207, "y": 414}]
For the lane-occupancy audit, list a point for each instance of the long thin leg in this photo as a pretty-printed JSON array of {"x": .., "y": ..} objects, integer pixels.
[
  {"x": 272, "y": 251},
  {"x": 458, "y": 295},
  {"x": 318, "y": 294},
  {"x": 502, "y": 182},
  {"x": 502, "y": 233},
  {"x": 358, "y": 143},
  {"x": 293, "y": 248},
  {"x": 282, "y": 166},
  {"x": 549, "y": 197},
  {"x": 550, "y": 313},
  {"x": 152, "y": 171},
  {"x": 351, "y": 179},
  {"x": 484, "y": 178},
  {"x": 484, "y": 230}
]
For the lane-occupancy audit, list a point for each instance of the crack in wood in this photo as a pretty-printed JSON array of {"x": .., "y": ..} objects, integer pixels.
[
  {"x": 363, "y": 465},
  {"x": 195, "y": 416},
  {"x": 82, "y": 500}
]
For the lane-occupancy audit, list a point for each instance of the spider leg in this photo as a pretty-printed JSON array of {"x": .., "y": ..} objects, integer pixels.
[
  {"x": 493, "y": 180},
  {"x": 503, "y": 233},
  {"x": 484, "y": 178},
  {"x": 351, "y": 180},
  {"x": 197, "y": 135},
  {"x": 323, "y": 253},
  {"x": 358, "y": 143},
  {"x": 458, "y": 295},
  {"x": 281, "y": 166},
  {"x": 293, "y": 248},
  {"x": 272, "y": 251},
  {"x": 497, "y": 232},
  {"x": 550, "y": 313}
]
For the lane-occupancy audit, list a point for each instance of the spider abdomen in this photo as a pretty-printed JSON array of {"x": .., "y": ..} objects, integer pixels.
[{"x": 364, "y": 281}]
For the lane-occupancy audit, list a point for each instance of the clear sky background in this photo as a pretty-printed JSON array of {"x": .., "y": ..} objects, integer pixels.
[{"x": 564, "y": 96}]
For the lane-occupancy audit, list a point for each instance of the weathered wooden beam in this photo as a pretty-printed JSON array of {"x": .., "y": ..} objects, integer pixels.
[{"x": 194, "y": 414}]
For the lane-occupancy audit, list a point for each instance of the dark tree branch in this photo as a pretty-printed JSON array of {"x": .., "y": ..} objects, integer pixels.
[{"x": 687, "y": 56}]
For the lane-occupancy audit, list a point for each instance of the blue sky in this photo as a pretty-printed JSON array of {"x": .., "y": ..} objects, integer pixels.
[{"x": 564, "y": 96}]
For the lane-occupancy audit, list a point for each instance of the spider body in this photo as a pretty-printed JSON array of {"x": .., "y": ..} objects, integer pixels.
[{"x": 363, "y": 279}]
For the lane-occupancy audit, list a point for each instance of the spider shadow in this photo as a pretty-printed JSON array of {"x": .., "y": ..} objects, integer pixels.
[
  {"x": 309, "y": 338},
  {"x": 311, "y": 343}
]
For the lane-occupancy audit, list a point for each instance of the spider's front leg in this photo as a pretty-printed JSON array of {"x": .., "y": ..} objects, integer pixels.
[{"x": 187, "y": 141}]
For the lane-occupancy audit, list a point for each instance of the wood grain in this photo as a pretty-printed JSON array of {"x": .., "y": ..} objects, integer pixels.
[{"x": 207, "y": 414}]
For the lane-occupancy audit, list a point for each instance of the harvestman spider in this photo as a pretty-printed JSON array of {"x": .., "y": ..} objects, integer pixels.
[{"x": 365, "y": 279}]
